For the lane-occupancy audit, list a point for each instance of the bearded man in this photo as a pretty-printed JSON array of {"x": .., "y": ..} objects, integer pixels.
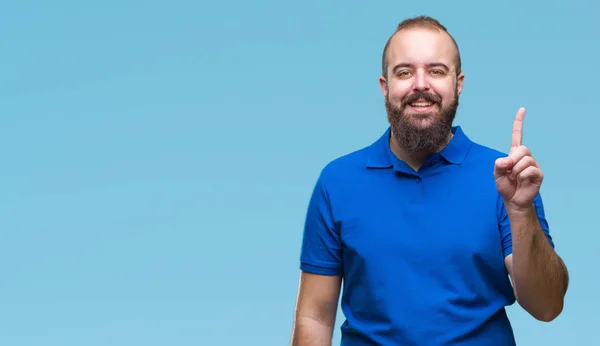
[{"x": 431, "y": 234}]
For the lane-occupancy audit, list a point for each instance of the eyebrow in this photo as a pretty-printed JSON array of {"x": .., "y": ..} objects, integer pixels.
[{"x": 435, "y": 64}]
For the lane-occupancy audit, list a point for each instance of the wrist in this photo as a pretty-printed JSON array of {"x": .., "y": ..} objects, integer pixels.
[
  {"x": 523, "y": 222},
  {"x": 519, "y": 211}
]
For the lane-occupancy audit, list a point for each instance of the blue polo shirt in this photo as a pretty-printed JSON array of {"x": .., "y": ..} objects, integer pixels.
[{"x": 421, "y": 253}]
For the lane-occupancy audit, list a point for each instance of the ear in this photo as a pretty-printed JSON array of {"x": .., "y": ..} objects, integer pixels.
[
  {"x": 460, "y": 80},
  {"x": 383, "y": 86}
]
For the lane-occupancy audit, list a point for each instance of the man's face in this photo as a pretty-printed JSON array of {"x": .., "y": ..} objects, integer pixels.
[{"x": 422, "y": 88}]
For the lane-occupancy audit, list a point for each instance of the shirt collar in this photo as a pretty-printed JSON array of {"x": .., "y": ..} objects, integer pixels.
[{"x": 380, "y": 155}]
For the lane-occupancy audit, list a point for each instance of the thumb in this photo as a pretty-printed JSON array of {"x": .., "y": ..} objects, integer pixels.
[{"x": 502, "y": 166}]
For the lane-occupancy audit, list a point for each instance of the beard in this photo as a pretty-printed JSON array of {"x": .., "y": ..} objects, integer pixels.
[{"x": 414, "y": 137}]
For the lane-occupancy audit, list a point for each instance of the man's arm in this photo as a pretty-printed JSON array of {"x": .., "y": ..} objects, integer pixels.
[
  {"x": 539, "y": 275},
  {"x": 316, "y": 309}
]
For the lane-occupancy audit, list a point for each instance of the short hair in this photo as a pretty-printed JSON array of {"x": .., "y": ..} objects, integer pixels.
[{"x": 419, "y": 22}]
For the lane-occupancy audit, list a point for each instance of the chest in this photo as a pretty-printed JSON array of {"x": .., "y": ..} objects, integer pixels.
[{"x": 420, "y": 222}]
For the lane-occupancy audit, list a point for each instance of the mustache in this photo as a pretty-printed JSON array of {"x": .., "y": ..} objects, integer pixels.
[{"x": 421, "y": 95}]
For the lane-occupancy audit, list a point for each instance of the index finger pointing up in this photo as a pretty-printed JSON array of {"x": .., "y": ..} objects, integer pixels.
[{"x": 517, "y": 131}]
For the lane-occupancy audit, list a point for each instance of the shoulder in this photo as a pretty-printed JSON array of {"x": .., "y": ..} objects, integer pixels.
[
  {"x": 342, "y": 172},
  {"x": 480, "y": 153},
  {"x": 345, "y": 165},
  {"x": 354, "y": 164}
]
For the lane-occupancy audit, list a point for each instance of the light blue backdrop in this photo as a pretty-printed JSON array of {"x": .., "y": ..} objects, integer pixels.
[{"x": 157, "y": 157}]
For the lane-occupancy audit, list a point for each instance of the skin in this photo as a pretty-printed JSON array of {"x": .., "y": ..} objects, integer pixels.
[
  {"x": 539, "y": 275},
  {"x": 422, "y": 59},
  {"x": 316, "y": 308}
]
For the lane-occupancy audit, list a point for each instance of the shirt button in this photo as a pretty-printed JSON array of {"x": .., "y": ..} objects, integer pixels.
[{"x": 418, "y": 180}]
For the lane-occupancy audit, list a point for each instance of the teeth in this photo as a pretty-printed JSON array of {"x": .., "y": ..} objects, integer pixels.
[{"x": 421, "y": 104}]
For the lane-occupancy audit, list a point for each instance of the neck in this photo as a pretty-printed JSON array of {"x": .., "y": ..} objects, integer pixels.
[{"x": 414, "y": 159}]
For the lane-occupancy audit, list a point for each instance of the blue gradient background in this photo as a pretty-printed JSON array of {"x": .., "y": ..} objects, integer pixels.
[{"x": 157, "y": 157}]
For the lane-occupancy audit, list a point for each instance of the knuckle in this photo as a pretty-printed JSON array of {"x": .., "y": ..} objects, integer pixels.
[{"x": 530, "y": 160}]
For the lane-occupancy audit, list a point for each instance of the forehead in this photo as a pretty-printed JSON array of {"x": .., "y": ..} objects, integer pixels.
[{"x": 421, "y": 47}]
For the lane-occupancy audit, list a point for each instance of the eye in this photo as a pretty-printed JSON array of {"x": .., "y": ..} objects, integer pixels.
[
  {"x": 403, "y": 74},
  {"x": 437, "y": 72}
]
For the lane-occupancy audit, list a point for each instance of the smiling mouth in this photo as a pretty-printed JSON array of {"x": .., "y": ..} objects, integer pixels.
[{"x": 421, "y": 104}]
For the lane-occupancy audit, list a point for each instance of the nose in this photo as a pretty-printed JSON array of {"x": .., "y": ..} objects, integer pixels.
[{"x": 420, "y": 81}]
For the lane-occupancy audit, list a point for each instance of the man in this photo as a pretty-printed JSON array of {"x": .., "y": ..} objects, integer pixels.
[{"x": 431, "y": 234}]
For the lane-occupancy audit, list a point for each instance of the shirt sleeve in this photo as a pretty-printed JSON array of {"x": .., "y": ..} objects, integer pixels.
[
  {"x": 321, "y": 251},
  {"x": 505, "y": 231}
]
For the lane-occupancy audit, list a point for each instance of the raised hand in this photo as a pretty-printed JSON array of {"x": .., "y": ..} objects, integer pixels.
[{"x": 518, "y": 176}]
